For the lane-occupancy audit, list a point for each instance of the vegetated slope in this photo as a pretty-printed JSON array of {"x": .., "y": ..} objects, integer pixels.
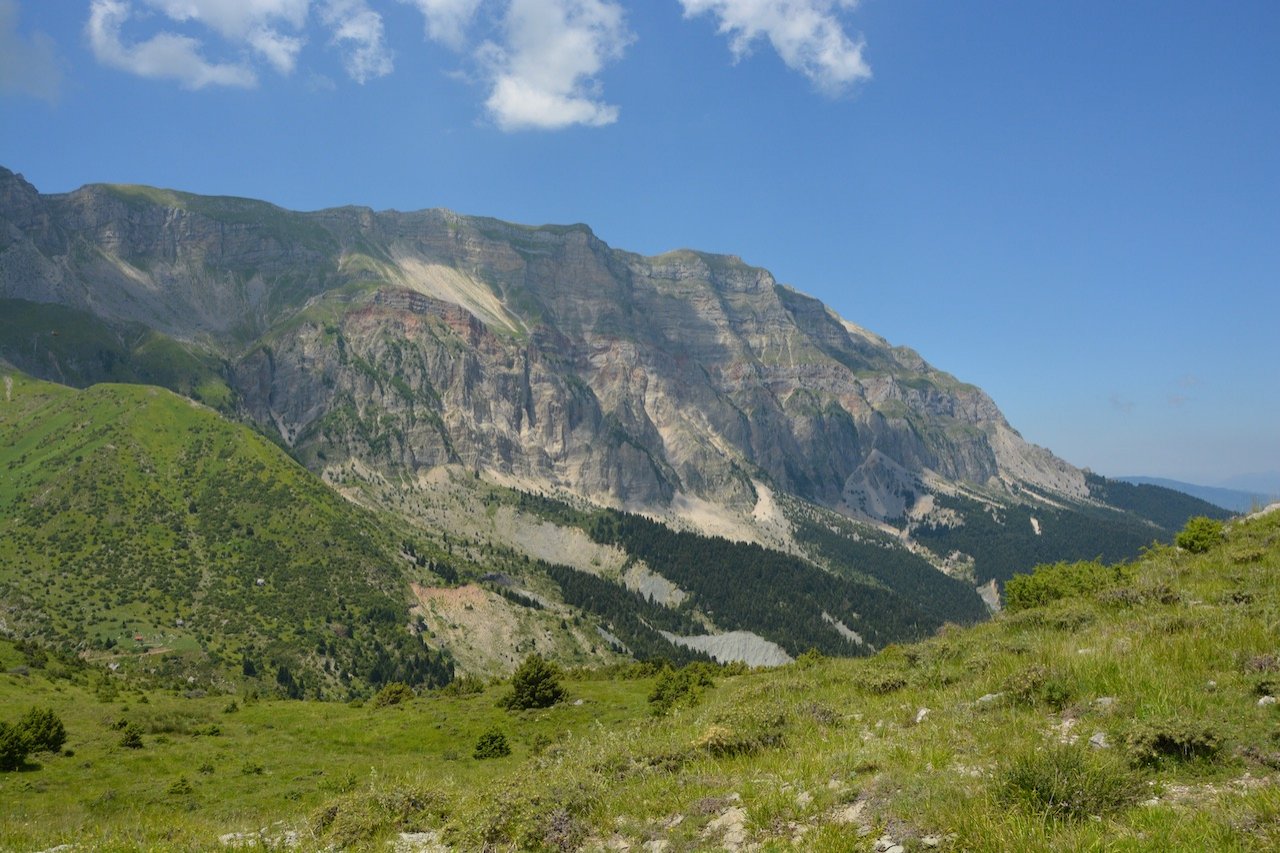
[
  {"x": 1165, "y": 506},
  {"x": 1112, "y": 707},
  {"x": 138, "y": 526},
  {"x": 1004, "y": 537},
  {"x": 874, "y": 588},
  {"x": 1132, "y": 708}
]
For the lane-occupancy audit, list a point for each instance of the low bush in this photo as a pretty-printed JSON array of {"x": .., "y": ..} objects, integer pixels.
[
  {"x": 131, "y": 736},
  {"x": 43, "y": 730},
  {"x": 1038, "y": 683},
  {"x": 679, "y": 688},
  {"x": 353, "y": 820},
  {"x": 392, "y": 694},
  {"x": 13, "y": 748},
  {"x": 1154, "y": 742},
  {"x": 535, "y": 684},
  {"x": 744, "y": 730},
  {"x": 1069, "y": 782},
  {"x": 1053, "y": 581},
  {"x": 491, "y": 744},
  {"x": 1199, "y": 535}
]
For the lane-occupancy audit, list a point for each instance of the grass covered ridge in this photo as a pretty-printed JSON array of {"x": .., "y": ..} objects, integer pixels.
[{"x": 141, "y": 529}]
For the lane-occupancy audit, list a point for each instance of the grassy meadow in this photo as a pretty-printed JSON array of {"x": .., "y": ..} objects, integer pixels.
[{"x": 1116, "y": 708}]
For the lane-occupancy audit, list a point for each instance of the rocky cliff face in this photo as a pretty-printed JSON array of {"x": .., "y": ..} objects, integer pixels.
[{"x": 410, "y": 340}]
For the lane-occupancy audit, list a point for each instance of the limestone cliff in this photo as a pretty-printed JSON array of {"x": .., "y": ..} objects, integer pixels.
[{"x": 411, "y": 340}]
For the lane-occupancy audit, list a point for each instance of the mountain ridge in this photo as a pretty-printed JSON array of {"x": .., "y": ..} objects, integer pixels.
[
  {"x": 433, "y": 365},
  {"x": 734, "y": 321}
]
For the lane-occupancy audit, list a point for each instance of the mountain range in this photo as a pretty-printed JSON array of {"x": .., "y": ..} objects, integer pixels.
[
  {"x": 676, "y": 449},
  {"x": 1234, "y": 500}
]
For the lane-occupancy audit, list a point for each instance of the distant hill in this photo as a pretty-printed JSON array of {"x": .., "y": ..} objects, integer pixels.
[{"x": 1230, "y": 499}]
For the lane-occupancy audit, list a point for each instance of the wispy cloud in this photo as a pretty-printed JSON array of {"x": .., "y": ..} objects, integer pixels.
[
  {"x": 544, "y": 73},
  {"x": 1178, "y": 400},
  {"x": 268, "y": 31},
  {"x": 28, "y": 66},
  {"x": 268, "y": 27},
  {"x": 540, "y": 61},
  {"x": 808, "y": 36},
  {"x": 165, "y": 55},
  {"x": 358, "y": 29},
  {"x": 447, "y": 20}
]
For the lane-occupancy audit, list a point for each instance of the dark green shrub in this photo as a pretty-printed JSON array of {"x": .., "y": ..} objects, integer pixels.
[
  {"x": 131, "y": 736},
  {"x": 181, "y": 788},
  {"x": 1053, "y": 581},
  {"x": 1069, "y": 783},
  {"x": 463, "y": 685},
  {"x": 13, "y": 747},
  {"x": 392, "y": 694},
  {"x": 43, "y": 730},
  {"x": 491, "y": 744},
  {"x": 679, "y": 688},
  {"x": 1154, "y": 742},
  {"x": 1200, "y": 534},
  {"x": 535, "y": 684},
  {"x": 809, "y": 659}
]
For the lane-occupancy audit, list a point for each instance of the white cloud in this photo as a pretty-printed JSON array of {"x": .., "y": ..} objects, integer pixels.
[
  {"x": 807, "y": 34},
  {"x": 253, "y": 22},
  {"x": 543, "y": 75},
  {"x": 272, "y": 31},
  {"x": 165, "y": 55},
  {"x": 447, "y": 20},
  {"x": 27, "y": 66},
  {"x": 358, "y": 28}
]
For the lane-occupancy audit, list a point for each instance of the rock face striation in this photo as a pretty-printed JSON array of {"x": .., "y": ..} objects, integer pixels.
[{"x": 412, "y": 340}]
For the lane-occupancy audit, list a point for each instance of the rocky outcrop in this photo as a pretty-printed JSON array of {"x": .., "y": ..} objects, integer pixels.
[{"x": 411, "y": 340}]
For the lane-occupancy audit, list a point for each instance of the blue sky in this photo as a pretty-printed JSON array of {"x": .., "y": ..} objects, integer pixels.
[{"x": 1075, "y": 206}]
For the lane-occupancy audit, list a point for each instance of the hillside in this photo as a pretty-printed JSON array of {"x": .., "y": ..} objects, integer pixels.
[
  {"x": 1126, "y": 707},
  {"x": 141, "y": 529}
]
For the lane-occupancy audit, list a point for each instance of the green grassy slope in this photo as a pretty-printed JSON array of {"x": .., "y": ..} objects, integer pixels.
[
  {"x": 139, "y": 526},
  {"x": 1129, "y": 716}
]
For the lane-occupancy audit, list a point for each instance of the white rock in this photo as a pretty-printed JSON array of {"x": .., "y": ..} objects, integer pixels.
[
  {"x": 1099, "y": 741},
  {"x": 418, "y": 842},
  {"x": 1266, "y": 700},
  {"x": 921, "y": 714},
  {"x": 989, "y": 698},
  {"x": 930, "y": 841},
  {"x": 851, "y": 813},
  {"x": 1105, "y": 702}
]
